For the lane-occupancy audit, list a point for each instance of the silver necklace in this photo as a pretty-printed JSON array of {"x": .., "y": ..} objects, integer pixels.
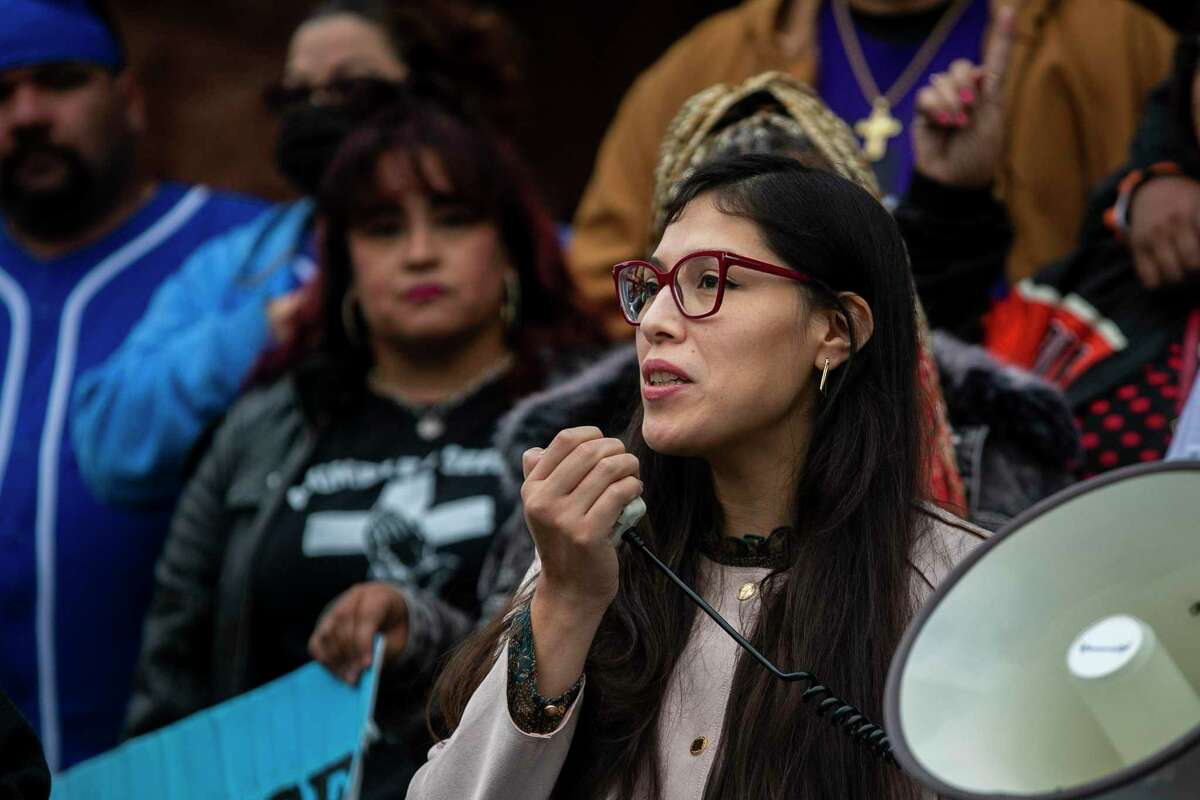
[{"x": 431, "y": 417}]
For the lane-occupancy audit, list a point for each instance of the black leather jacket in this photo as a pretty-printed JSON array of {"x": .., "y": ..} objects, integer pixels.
[{"x": 196, "y": 643}]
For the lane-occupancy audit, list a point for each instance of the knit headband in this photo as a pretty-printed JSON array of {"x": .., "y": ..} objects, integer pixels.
[{"x": 712, "y": 120}]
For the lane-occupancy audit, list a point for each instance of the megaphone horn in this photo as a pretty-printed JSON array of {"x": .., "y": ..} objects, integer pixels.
[{"x": 1061, "y": 659}]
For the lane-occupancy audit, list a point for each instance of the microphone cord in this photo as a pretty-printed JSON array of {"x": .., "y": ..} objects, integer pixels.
[{"x": 843, "y": 716}]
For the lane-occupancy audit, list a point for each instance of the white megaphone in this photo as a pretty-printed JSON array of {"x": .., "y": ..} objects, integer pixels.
[{"x": 1062, "y": 658}]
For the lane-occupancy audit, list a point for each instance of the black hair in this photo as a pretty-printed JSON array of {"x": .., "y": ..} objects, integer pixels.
[
  {"x": 841, "y": 600},
  {"x": 1182, "y": 134},
  {"x": 488, "y": 178}
]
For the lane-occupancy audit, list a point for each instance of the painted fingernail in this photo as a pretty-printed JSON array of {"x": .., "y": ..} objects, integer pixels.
[
  {"x": 942, "y": 117},
  {"x": 966, "y": 95},
  {"x": 960, "y": 119}
]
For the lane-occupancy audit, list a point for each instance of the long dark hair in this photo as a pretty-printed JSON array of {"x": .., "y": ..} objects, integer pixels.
[
  {"x": 839, "y": 605},
  {"x": 486, "y": 176}
]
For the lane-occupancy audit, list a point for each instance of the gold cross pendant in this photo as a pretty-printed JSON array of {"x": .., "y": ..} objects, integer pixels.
[{"x": 876, "y": 129}]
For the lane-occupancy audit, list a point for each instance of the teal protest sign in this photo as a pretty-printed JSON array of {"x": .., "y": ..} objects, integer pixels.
[{"x": 298, "y": 738}]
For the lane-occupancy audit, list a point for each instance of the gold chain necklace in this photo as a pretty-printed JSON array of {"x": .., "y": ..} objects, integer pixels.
[{"x": 876, "y": 129}]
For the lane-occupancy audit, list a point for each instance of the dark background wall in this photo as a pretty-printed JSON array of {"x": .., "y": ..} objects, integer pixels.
[{"x": 204, "y": 63}]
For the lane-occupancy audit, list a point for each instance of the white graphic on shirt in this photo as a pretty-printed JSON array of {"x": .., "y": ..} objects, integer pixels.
[
  {"x": 351, "y": 474},
  {"x": 401, "y": 535}
]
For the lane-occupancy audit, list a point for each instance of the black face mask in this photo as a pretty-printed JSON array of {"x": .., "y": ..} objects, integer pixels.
[{"x": 309, "y": 137}]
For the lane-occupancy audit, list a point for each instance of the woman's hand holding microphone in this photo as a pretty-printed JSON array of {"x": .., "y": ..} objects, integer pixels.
[{"x": 574, "y": 491}]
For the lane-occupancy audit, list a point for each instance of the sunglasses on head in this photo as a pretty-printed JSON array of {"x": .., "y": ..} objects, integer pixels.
[{"x": 366, "y": 91}]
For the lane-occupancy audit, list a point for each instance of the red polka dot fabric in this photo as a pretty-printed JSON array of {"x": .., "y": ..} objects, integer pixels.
[{"x": 1132, "y": 424}]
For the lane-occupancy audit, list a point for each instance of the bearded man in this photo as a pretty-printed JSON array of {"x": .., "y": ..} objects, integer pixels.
[{"x": 85, "y": 238}]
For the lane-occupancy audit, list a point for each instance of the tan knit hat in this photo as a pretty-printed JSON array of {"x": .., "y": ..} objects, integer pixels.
[{"x": 725, "y": 118}]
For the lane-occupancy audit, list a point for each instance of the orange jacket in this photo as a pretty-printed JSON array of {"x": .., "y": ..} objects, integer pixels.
[{"x": 1080, "y": 72}]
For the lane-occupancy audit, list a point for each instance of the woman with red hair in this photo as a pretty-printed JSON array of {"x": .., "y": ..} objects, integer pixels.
[{"x": 359, "y": 494}]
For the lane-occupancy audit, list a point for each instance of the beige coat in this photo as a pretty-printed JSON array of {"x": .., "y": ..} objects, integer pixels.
[
  {"x": 1080, "y": 73},
  {"x": 489, "y": 758}
]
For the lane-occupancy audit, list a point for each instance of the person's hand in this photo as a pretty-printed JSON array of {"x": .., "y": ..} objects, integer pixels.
[
  {"x": 958, "y": 135},
  {"x": 281, "y": 316},
  {"x": 1164, "y": 230},
  {"x": 574, "y": 491},
  {"x": 343, "y": 638}
]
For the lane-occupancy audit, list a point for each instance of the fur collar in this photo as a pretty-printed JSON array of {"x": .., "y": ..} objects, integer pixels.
[
  {"x": 1012, "y": 402},
  {"x": 603, "y": 394}
]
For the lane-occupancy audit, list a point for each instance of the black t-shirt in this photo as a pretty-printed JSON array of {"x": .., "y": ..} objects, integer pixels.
[{"x": 377, "y": 501}]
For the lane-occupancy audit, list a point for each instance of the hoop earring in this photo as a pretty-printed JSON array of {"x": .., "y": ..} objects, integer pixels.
[
  {"x": 512, "y": 300},
  {"x": 350, "y": 318},
  {"x": 824, "y": 376}
]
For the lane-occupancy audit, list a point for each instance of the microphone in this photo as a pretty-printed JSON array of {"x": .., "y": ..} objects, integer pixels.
[{"x": 842, "y": 715}]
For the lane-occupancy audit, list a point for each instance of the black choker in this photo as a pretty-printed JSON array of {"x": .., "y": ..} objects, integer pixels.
[{"x": 748, "y": 551}]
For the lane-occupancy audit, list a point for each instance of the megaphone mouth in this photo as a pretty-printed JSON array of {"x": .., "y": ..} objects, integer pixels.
[{"x": 960, "y": 674}]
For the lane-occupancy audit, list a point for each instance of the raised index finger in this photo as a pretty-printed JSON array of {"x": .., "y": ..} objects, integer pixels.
[{"x": 998, "y": 51}]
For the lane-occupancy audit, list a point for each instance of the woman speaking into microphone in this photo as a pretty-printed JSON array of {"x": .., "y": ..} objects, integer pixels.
[{"x": 778, "y": 450}]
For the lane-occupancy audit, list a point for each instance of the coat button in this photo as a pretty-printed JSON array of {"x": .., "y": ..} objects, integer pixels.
[
  {"x": 698, "y": 745},
  {"x": 748, "y": 590}
]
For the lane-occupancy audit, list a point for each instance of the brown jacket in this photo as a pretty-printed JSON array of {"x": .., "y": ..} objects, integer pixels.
[
  {"x": 1080, "y": 72},
  {"x": 489, "y": 758}
]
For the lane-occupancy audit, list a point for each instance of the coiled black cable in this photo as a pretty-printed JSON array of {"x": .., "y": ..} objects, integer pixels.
[{"x": 843, "y": 716}]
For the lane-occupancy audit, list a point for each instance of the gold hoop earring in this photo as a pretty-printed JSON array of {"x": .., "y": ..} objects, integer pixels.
[
  {"x": 824, "y": 376},
  {"x": 350, "y": 318},
  {"x": 512, "y": 300}
]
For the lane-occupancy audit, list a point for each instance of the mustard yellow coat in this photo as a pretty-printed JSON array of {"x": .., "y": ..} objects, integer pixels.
[{"x": 1080, "y": 73}]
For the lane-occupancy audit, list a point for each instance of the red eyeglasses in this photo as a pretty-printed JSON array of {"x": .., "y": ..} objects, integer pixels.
[{"x": 697, "y": 282}]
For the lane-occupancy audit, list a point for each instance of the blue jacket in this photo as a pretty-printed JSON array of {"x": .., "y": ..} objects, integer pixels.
[
  {"x": 137, "y": 416},
  {"x": 76, "y": 574}
]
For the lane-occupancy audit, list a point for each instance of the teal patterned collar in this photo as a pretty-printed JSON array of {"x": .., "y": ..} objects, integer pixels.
[{"x": 748, "y": 551}]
